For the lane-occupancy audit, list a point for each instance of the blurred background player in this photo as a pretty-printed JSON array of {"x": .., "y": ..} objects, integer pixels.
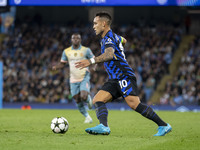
[
  {"x": 122, "y": 80},
  {"x": 79, "y": 79}
]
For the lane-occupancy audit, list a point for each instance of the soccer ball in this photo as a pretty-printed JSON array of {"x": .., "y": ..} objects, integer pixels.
[{"x": 59, "y": 125}]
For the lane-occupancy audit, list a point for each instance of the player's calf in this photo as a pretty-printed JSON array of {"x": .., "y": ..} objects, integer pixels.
[
  {"x": 101, "y": 112},
  {"x": 148, "y": 112}
]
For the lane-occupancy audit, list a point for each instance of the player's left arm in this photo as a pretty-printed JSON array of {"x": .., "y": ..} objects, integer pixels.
[
  {"x": 106, "y": 56},
  {"x": 123, "y": 40}
]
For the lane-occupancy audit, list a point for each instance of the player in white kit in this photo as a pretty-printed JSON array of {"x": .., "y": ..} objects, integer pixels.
[{"x": 79, "y": 79}]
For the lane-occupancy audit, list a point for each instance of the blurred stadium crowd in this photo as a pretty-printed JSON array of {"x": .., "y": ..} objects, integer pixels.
[
  {"x": 184, "y": 88},
  {"x": 29, "y": 51}
]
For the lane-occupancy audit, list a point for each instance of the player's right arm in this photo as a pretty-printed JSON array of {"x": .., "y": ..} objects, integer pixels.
[
  {"x": 62, "y": 63},
  {"x": 58, "y": 66}
]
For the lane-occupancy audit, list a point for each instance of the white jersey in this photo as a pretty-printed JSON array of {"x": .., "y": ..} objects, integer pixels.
[{"x": 72, "y": 56}]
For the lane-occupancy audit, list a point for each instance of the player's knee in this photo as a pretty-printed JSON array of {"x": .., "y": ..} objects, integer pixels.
[
  {"x": 94, "y": 101},
  {"x": 132, "y": 101},
  {"x": 77, "y": 100},
  {"x": 133, "y": 105},
  {"x": 83, "y": 97}
]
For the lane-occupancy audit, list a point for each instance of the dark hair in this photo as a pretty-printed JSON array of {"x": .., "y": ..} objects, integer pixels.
[
  {"x": 106, "y": 15},
  {"x": 76, "y": 34}
]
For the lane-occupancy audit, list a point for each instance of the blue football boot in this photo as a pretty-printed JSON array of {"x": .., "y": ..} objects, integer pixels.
[
  {"x": 162, "y": 130},
  {"x": 99, "y": 129}
]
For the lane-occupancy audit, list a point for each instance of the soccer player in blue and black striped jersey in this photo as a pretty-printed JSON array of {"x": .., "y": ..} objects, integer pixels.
[{"x": 122, "y": 80}]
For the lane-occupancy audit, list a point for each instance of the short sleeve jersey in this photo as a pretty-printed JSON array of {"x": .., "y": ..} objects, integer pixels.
[{"x": 74, "y": 55}]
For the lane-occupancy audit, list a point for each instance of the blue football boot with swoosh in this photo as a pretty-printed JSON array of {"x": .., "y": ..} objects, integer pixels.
[
  {"x": 162, "y": 130},
  {"x": 99, "y": 129}
]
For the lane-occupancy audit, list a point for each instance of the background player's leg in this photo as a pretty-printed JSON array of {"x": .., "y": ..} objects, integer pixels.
[
  {"x": 82, "y": 109},
  {"x": 80, "y": 105},
  {"x": 85, "y": 91},
  {"x": 87, "y": 98},
  {"x": 75, "y": 91},
  {"x": 84, "y": 95},
  {"x": 89, "y": 101},
  {"x": 146, "y": 111},
  {"x": 99, "y": 101}
]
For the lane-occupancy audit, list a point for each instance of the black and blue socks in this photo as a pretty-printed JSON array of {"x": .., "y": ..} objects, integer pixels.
[
  {"x": 101, "y": 112},
  {"x": 148, "y": 112}
]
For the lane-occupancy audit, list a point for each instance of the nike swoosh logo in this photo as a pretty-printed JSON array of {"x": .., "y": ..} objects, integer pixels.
[{"x": 125, "y": 92}]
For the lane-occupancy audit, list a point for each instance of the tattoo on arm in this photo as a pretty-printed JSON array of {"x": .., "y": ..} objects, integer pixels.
[{"x": 106, "y": 56}]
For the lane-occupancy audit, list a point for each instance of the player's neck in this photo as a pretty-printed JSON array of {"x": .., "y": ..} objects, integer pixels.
[
  {"x": 105, "y": 32},
  {"x": 76, "y": 46}
]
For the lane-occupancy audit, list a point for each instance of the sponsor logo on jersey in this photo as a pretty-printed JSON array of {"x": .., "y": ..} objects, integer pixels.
[{"x": 109, "y": 41}]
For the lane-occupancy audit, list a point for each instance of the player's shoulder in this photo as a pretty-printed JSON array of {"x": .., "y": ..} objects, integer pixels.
[
  {"x": 67, "y": 49},
  {"x": 111, "y": 36},
  {"x": 85, "y": 48}
]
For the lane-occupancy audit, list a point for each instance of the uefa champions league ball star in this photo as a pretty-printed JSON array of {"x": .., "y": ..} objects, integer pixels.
[{"x": 59, "y": 125}]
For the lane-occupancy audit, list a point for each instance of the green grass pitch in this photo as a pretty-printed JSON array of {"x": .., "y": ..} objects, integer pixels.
[{"x": 30, "y": 130}]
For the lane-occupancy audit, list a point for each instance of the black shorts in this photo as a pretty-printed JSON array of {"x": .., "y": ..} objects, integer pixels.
[{"x": 123, "y": 87}]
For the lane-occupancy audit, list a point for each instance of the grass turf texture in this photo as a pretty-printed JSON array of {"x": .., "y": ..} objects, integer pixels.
[{"x": 30, "y": 129}]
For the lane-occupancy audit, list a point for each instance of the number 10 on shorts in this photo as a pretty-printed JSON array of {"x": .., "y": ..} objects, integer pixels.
[{"x": 123, "y": 83}]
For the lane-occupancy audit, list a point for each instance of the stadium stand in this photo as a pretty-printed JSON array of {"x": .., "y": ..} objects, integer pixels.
[
  {"x": 28, "y": 52},
  {"x": 183, "y": 88}
]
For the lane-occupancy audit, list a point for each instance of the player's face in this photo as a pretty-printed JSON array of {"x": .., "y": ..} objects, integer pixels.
[
  {"x": 76, "y": 40},
  {"x": 98, "y": 25}
]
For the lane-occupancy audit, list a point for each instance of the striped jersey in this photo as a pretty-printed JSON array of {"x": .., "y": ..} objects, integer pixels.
[{"x": 118, "y": 67}]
